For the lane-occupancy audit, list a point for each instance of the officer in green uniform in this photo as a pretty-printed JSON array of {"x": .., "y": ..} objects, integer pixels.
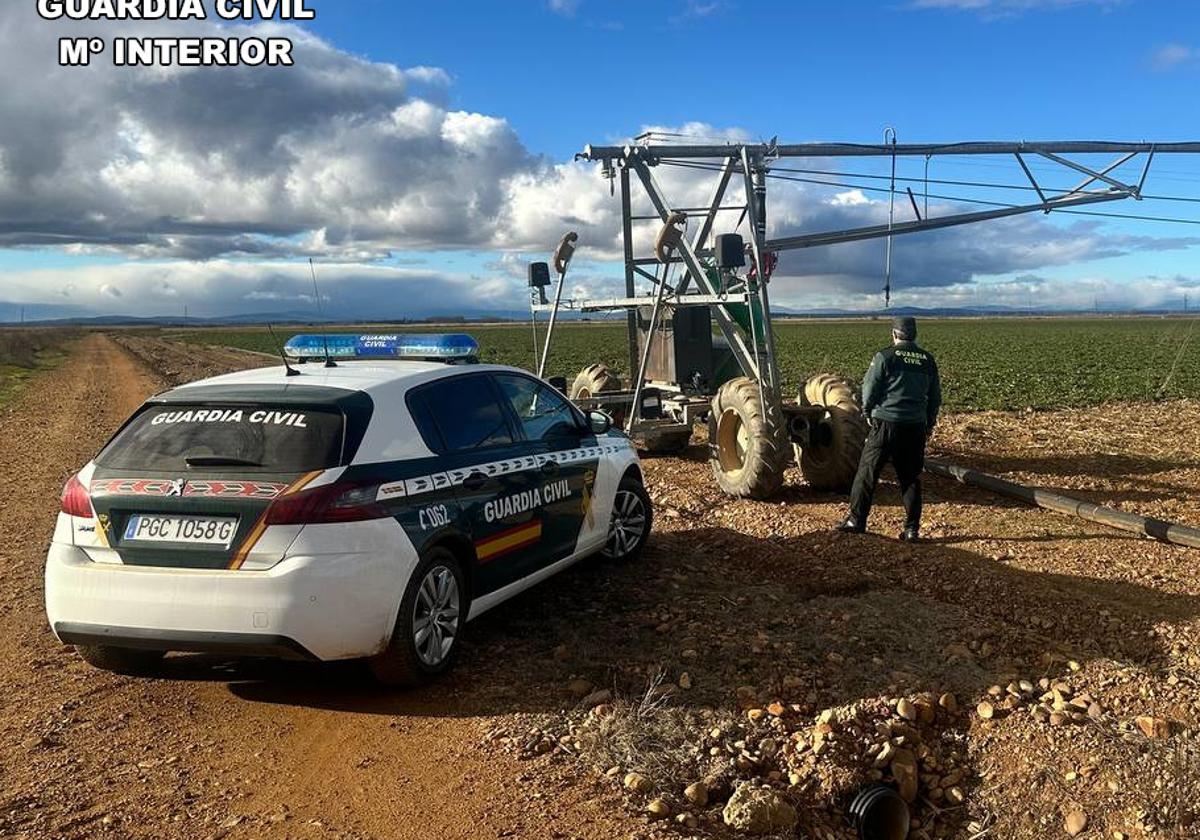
[{"x": 902, "y": 394}]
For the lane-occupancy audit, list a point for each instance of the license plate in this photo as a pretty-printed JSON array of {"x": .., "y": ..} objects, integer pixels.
[{"x": 184, "y": 530}]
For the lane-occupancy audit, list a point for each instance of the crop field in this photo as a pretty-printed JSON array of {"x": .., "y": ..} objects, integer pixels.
[{"x": 1003, "y": 363}]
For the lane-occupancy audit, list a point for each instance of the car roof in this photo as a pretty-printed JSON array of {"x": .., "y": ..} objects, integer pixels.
[{"x": 346, "y": 376}]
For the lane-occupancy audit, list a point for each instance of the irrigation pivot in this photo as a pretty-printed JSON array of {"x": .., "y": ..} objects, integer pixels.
[{"x": 700, "y": 274}]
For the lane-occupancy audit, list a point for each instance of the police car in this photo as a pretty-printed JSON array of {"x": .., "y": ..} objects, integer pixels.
[{"x": 366, "y": 503}]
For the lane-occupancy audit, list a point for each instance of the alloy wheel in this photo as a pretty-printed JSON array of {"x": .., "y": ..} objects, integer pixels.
[
  {"x": 436, "y": 616},
  {"x": 628, "y": 525}
]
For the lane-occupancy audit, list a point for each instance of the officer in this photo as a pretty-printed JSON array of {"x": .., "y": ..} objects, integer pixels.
[{"x": 902, "y": 394}]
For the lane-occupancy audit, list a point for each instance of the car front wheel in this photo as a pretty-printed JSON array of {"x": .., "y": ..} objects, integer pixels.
[
  {"x": 632, "y": 516},
  {"x": 428, "y": 625}
]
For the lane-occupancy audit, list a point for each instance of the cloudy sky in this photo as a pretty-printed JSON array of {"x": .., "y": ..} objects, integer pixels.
[{"x": 422, "y": 153}]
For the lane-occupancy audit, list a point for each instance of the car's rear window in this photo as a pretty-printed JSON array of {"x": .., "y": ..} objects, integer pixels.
[{"x": 253, "y": 438}]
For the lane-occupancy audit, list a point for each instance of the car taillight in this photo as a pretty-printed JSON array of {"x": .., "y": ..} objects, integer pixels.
[
  {"x": 342, "y": 501},
  {"x": 75, "y": 499}
]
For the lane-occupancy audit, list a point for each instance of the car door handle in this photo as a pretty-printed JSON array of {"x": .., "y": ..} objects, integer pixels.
[
  {"x": 475, "y": 481},
  {"x": 550, "y": 467}
]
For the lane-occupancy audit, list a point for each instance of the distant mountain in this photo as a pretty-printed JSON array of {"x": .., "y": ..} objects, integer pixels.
[
  {"x": 51, "y": 315},
  {"x": 280, "y": 318},
  {"x": 32, "y": 312}
]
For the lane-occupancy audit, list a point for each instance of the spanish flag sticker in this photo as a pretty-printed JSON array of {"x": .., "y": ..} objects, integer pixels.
[{"x": 508, "y": 541}]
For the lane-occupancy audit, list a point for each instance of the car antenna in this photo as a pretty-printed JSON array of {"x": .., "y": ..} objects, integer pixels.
[
  {"x": 329, "y": 362},
  {"x": 291, "y": 371}
]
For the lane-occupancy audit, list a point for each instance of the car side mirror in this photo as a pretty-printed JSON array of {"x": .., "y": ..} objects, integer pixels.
[
  {"x": 558, "y": 383},
  {"x": 599, "y": 422}
]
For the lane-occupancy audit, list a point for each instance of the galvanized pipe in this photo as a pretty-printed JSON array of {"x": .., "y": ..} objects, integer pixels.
[
  {"x": 631, "y": 324},
  {"x": 653, "y": 152},
  {"x": 1158, "y": 529},
  {"x": 640, "y": 383},
  {"x": 562, "y": 278},
  {"x": 834, "y": 237}
]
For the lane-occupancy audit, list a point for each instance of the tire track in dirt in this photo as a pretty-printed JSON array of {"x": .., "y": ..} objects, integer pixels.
[{"x": 217, "y": 748}]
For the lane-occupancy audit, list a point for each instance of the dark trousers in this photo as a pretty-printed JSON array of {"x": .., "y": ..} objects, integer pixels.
[{"x": 904, "y": 445}]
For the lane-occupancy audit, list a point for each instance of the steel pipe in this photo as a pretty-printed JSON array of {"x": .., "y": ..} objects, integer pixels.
[
  {"x": 654, "y": 152},
  {"x": 1158, "y": 529}
]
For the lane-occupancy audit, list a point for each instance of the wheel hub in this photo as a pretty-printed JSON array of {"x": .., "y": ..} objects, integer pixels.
[
  {"x": 733, "y": 440},
  {"x": 436, "y": 615},
  {"x": 627, "y": 526}
]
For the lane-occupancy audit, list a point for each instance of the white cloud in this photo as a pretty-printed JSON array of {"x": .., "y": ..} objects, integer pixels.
[
  {"x": 354, "y": 291},
  {"x": 1078, "y": 293},
  {"x": 428, "y": 75},
  {"x": 1007, "y": 8},
  {"x": 850, "y": 198},
  {"x": 566, "y": 8},
  {"x": 336, "y": 158},
  {"x": 1170, "y": 56},
  {"x": 240, "y": 160},
  {"x": 699, "y": 9},
  {"x": 227, "y": 287}
]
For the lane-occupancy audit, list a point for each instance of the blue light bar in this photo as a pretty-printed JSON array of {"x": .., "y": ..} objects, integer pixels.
[{"x": 441, "y": 346}]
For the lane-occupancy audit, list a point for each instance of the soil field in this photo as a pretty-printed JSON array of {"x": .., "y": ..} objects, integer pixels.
[
  {"x": 1019, "y": 675},
  {"x": 994, "y": 363}
]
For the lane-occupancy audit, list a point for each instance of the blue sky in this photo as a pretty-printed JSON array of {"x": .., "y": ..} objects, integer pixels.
[
  {"x": 822, "y": 70},
  {"x": 421, "y": 152}
]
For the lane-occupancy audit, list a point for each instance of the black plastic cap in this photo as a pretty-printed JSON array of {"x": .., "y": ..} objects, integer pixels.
[
  {"x": 539, "y": 275},
  {"x": 905, "y": 326},
  {"x": 730, "y": 251}
]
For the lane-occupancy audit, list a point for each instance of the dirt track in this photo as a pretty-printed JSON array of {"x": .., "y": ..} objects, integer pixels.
[{"x": 756, "y": 602}]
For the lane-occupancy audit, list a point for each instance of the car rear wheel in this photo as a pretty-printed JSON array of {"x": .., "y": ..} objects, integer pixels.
[
  {"x": 432, "y": 614},
  {"x": 121, "y": 660},
  {"x": 632, "y": 517}
]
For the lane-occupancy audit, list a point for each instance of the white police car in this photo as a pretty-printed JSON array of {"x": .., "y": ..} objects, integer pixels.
[{"x": 366, "y": 509}]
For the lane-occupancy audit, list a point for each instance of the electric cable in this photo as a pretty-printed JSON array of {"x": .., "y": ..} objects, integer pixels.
[
  {"x": 945, "y": 182},
  {"x": 952, "y": 198}
]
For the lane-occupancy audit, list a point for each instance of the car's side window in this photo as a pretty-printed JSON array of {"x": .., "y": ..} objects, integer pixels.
[
  {"x": 459, "y": 413},
  {"x": 543, "y": 413}
]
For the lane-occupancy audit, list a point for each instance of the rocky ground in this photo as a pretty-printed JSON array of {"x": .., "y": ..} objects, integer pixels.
[{"x": 1018, "y": 675}]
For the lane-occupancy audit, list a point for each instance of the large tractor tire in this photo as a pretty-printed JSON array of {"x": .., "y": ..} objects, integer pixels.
[
  {"x": 592, "y": 380},
  {"x": 830, "y": 461},
  {"x": 747, "y": 441}
]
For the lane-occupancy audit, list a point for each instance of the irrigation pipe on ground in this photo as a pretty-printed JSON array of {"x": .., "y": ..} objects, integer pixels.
[{"x": 1155, "y": 528}]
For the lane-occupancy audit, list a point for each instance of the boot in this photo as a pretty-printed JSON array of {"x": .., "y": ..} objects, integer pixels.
[
  {"x": 851, "y": 526},
  {"x": 910, "y": 534}
]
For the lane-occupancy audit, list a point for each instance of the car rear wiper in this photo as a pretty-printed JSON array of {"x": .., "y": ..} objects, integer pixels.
[{"x": 219, "y": 461}]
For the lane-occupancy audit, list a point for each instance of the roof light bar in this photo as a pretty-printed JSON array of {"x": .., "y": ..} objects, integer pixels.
[{"x": 450, "y": 347}]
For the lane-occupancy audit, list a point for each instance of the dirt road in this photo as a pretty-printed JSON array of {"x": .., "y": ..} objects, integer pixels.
[{"x": 218, "y": 749}]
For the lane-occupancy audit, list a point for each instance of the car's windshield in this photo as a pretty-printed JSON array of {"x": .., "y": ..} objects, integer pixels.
[{"x": 177, "y": 438}]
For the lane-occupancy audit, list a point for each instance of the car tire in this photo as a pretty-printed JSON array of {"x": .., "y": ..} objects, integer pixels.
[
  {"x": 632, "y": 519},
  {"x": 429, "y": 623},
  {"x": 121, "y": 660}
]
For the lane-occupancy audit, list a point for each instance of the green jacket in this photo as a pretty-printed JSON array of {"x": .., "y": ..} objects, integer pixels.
[{"x": 903, "y": 386}]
